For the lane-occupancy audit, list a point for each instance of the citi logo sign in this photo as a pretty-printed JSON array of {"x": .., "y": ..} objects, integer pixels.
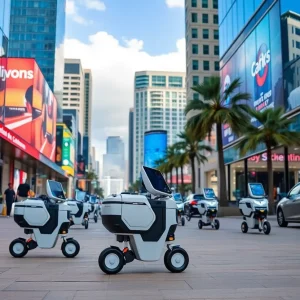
[
  {"x": 15, "y": 74},
  {"x": 260, "y": 67}
]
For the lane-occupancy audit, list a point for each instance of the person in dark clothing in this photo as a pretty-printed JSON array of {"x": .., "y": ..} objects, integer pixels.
[
  {"x": 10, "y": 197},
  {"x": 23, "y": 191}
]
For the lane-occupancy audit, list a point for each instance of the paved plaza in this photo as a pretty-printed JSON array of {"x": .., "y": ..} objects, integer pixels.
[{"x": 224, "y": 264}]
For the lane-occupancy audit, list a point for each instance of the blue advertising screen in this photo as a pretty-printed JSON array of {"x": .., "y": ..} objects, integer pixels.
[
  {"x": 209, "y": 193},
  {"x": 258, "y": 63},
  {"x": 155, "y": 147},
  {"x": 257, "y": 189}
]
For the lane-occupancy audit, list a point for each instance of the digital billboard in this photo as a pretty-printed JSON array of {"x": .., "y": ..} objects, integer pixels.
[
  {"x": 258, "y": 63},
  {"x": 155, "y": 147},
  {"x": 28, "y": 108}
]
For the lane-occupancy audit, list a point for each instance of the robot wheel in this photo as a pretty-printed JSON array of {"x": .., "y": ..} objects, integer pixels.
[
  {"x": 111, "y": 260},
  {"x": 176, "y": 260}
]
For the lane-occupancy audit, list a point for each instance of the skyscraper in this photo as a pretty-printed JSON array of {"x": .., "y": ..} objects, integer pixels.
[
  {"x": 37, "y": 30},
  {"x": 130, "y": 146},
  {"x": 202, "y": 61},
  {"x": 202, "y": 42},
  {"x": 73, "y": 96},
  {"x": 159, "y": 102}
]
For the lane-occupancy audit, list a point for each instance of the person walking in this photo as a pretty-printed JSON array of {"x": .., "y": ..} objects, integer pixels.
[
  {"x": 23, "y": 191},
  {"x": 10, "y": 197}
]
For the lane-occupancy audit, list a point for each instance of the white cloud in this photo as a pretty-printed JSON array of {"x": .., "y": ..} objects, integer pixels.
[
  {"x": 72, "y": 7},
  {"x": 113, "y": 67},
  {"x": 175, "y": 3},
  {"x": 94, "y": 4}
]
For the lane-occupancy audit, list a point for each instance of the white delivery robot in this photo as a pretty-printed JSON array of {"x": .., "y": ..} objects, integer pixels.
[
  {"x": 145, "y": 224},
  {"x": 255, "y": 209},
  {"x": 79, "y": 209},
  {"x": 208, "y": 209},
  {"x": 94, "y": 208},
  {"x": 45, "y": 218}
]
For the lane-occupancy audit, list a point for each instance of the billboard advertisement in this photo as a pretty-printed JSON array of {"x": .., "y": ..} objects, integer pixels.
[
  {"x": 155, "y": 147},
  {"x": 65, "y": 150},
  {"x": 258, "y": 63},
  {"x": 28, "y": 108}
]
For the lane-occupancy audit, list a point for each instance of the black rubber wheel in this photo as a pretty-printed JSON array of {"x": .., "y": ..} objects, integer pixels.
[
  {"x": 86, "y": 224},
  {"x": 266, "y": 227},
  {"x": 200, "y": 224},
  {"x": 70, "y": 248},
  {"x": 244, "y": 227},
  {"x": 18, "y": 248},
  {"x": 188, "y": 217},
  {"x": 182, "y": 221},
  {"x": 95, "y": 219},
  {"x": 111, "y": 261},
  {"x": 280, "y": 218},
  {"x": 177, "y": 260},
  {"x": 217, "y": 224}
]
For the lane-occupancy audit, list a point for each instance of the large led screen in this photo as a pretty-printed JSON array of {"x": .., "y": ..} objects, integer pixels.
[
  {"x": 155, "y": 147},
  {"x": 29, "y": 108},
  {"x": 258, "y": 63}
]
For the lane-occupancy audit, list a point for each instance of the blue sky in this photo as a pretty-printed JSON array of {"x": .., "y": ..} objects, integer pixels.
[{"x": 149, "y": 20}]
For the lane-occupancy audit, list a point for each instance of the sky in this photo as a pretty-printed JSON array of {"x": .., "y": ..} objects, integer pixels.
[{"x": 116, "y": 38}]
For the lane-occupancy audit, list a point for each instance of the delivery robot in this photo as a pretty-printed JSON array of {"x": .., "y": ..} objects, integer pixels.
[
  {"x": 79, "y": 209},
  {"x": 208, "y": 209},
  {"x": 44, "y": 219},
  {"x": 94, "y": 207},
  {"x": 145, "y": 224},
  {"x": 254, "y": 209}
]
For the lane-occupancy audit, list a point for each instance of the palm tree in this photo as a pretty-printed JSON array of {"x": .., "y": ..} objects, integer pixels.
[
  {"x": 214, "y": 111},
  {"x": 193, "y": 149},
  {"x": 162, "y": 166},
  {"x": 275, "y": 131},
  {"x": 135, "y": 186}
]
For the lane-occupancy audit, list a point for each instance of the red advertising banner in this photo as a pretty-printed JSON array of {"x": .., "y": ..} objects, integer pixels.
[{"x": 29, "y": 108}]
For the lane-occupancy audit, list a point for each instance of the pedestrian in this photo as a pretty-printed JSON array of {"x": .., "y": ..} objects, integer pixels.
[
  {"x": 10, "y": 197},
  {"x": 23, "y": 191}
]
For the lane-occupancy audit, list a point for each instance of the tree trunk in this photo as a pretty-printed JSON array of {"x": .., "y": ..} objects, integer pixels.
[
  {"x": 182, "y": 184},
  {"x": 222, "y": 194},
  {"x": 270, "y": 180},
  {"x": 171, "y": 179},
  {"x": 177, "y": 179},
  {"x": 193, "y": 175}
]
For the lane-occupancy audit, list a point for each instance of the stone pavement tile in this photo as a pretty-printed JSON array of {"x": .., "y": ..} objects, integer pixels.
[
  {"x": 284, "y": 283},
  {"x": 67, "y": 278},
  {"x": 22, "y": 295},
  {"x": 32, "y": 271},
  {"x": 58, "y": 286},
  {"x": 61, "y": 295},
  {"x": 6, "y": 282},
  {"x": 143, "y": 285}
]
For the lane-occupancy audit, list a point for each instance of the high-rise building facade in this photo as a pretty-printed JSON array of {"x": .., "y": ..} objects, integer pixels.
[
  {"x": 259, "y": 43},
  {"x": 202, "y": 42},
  {"x": 73, "y": 87},
  {"x": 37, "y": 30},
  {"x": 130, "y": 146},
  {"x": 114, "y": 145},
  {"x": 159, "y": 102},
  {"x": 88, "y": 88}
]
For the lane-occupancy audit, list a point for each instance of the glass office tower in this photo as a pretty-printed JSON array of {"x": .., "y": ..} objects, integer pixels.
[
  {"x": 37, "y": 30},
  {"x": 260, "y": 44}
]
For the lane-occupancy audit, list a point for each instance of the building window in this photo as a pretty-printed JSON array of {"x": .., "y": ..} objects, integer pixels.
[
  {"x": 194, "y": 3},
  {"x": 195, "y": 65},
  {"x": 158, "y": 81},
  {"x": 195, "y": 49},
  {"x": 195, "y": 80},
  {"x": 194, "y": 18},
  {"x": 196, "y": 96},
  {"x": 205, "y": 18},
  {"x": 141, "y": 81},
  {"x": 215, "y": 4},
  {"x": 204, "y": 3},
  {"x": 206, "y": 49},
  {"x": 216, "y": 34},
  {"x": 216, "y": 50},
  {"x": 297, "y": 31},
  {"x": 217, "y": 66},
  {"x": 205, "y": 34},
  {"x": 293, "y": 42},
  {"x": 206, "y": 65},
  {"x": 175, "y": 81},
  {"x": 194, "y": 33},
  {"x": 297, "y": 44},
  {"x": 216, "y": 19},
  {"x": 206, "y": 79}
]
